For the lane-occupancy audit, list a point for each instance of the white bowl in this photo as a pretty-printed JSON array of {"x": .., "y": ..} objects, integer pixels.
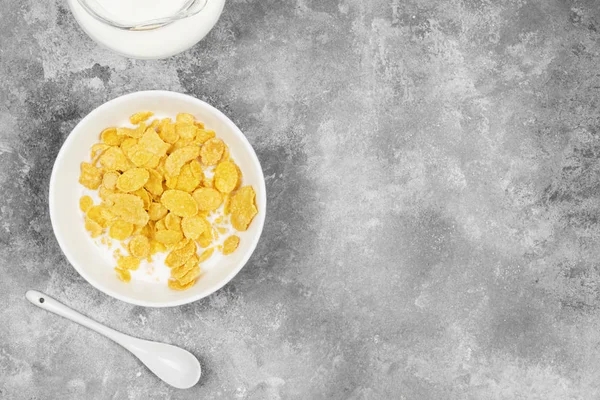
[{"x": 65, "y": 191}]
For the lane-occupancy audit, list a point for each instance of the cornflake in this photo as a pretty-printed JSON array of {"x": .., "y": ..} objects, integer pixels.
[
  {"x": 230, "y": 244},
  {"x": 157, "y": 211},
  {"x": 85, "y": 202},
  {"x": 226, "y": 177},
  {"x": 242, "y": 208},
  {"x": 193, "y": 226},
  {"x": 179, "y": 272},
  {"x": 132, "y": 180},
  {"x": 110, "y": 137},
  {"x": 208, "y": 199},
  {"x": 182, "y": 252},
  {"x": 155, "y": 196},
  {"x": 189, "y": 178},
  {"x": 211, "y": 151},
  {"x": 130, "y": 208},
  {"x": 173, "y": 222},
  {"x": 114, "y": 159},
  {"x": 168, "y": 237},
  {"x": 154, "y": 183},
  {"x": 179, "y": 203},
  {"x": 206, "y": 254},
  {"x": 91, "y": 177},
  {"x": 190, "y": 276},
  {"x": 139, "y": 246},
  {"x": 179, "y": 158},
  {"x": 109, "y": 181},
  {"x": 123, "y": 274},
  {"x": 128, "y": 262},
  {"x": 140, "y": 116},
  {"x": 175, "y": 285},
  {"x": 120, "y": 230}
]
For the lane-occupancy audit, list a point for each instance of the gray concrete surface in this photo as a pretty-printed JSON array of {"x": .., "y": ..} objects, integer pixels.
[{"x": 433, "y": 182}]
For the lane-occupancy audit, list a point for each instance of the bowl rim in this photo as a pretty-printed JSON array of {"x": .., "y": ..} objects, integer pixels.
[
  {"x": 188, "y": 9},
  {"x": 62, "y": 242}
]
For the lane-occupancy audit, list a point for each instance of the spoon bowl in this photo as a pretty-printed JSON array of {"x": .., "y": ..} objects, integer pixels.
[{"x": 172, "y": 364}]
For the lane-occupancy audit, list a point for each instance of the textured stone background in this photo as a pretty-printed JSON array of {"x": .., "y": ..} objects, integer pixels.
[{"x": 434, "y": 186}]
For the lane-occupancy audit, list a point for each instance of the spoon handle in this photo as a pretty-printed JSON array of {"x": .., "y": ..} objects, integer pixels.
[{"x": 49, "y": 304}]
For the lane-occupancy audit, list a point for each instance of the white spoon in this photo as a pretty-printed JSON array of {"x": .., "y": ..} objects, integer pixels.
[{"x": 175, "y": 366}]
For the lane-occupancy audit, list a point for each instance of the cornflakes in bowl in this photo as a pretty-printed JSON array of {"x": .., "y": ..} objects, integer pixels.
[{"x": 157, "y": 199}]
